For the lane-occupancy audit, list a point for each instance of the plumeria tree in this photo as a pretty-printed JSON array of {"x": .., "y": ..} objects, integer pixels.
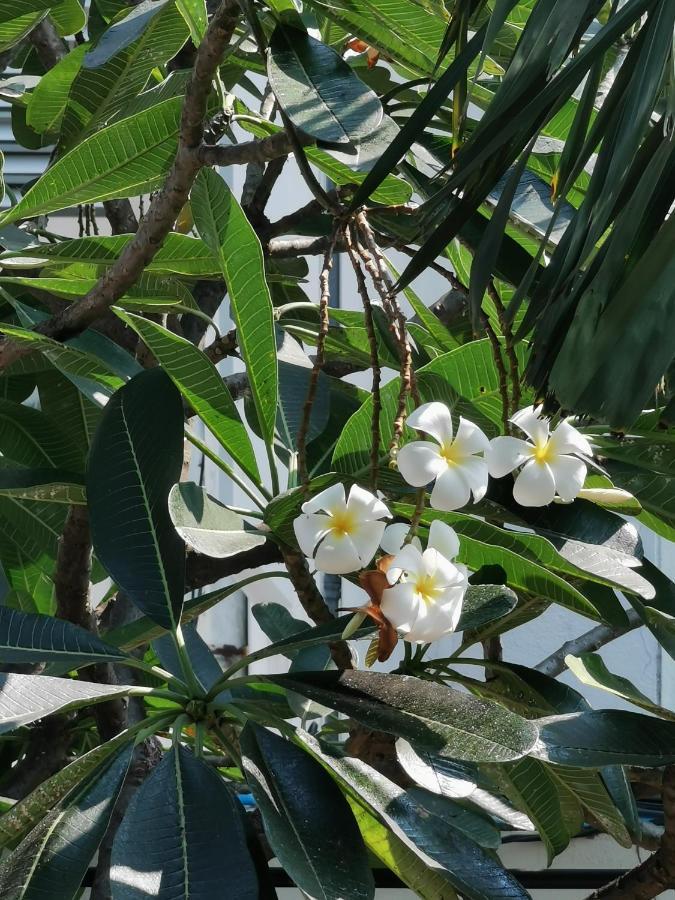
[{"x": 464, "y": 449}]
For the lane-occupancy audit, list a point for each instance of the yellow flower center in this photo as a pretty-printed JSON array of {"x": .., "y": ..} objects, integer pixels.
[
  {"x": 450, "y": 453},
  {"x": 426, "y": 587},
  {"x": 343, "y": 523},
  {"x": 543, "y": 452}
]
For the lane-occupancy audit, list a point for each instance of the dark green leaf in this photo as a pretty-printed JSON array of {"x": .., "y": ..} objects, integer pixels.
[
  {"x": 198, "y": 380},
  {"x": 25, "y": 637},
  {"x": 606, "y": 738},
  {"x": 200, "y": 842},
  {"x": 431, "y": 715},
  {"x": 135, "y": 460},
  {"x": 53, "y": 858},
  {"x": 460, "y": 861},
  {"x": 318, "y": 91},
  {"x": 485, "y": 603},
  {"x": 307, "y": 820}
]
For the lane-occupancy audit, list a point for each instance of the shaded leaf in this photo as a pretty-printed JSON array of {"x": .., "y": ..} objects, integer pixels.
[
  {"x": 128, "y": 485},
  {"x": 207, "y": 526}
]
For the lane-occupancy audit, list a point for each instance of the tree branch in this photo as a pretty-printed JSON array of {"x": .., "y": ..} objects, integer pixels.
[
  {"x": 166, "y": 205},
  {"x": 260, "y": 151},
  {"x": 49, "y": 45},
  {"x": 587, "y": 643}
]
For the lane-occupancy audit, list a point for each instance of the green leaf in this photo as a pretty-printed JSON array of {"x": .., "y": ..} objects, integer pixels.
[
  {"x": 590, "y": 669},
  {"x": 318, "y": 91},
  {"x": 34, "y": 807},
  {"x": 605, "y": 738},
  {"x": 99, "y": 94},
  {"x": 277, "y": 623},
  {"x": 528, "y": 784},
  {"x": 656, "y": 493},
  {"x": 53, "y": 858},
  {"x": 400, "y": 29},
  {"x": 327, "y": 633},
  {"x": 226, "y": 230},
  {"x": 198, "y": 380},
  {"x": 427, "y": 881},
  {"x": 201, "y": 837},
  {"x": 122, "y": 33},
  {"x": 526, "y": 571},
  {"x": 420, "y": 118},
  {"x": 48, "y": 100},
  {"x": 464, "y": 378},
  {"x": 135, "y": 460},
  {"x": 179, "y": 254},
  {"x": 207, "y": 526},
  {"x": 14, "y": 30},
  {"x": 25, "y": 637},
  {"x": 307, "y": 820},
  {"x": 195, "y": 14},
  {"x": 128, "y": 158},
  {"x": 30, "y": 438},
  {"x": 431, "y": 715},
  {"x": 476, "y": 827},
  {"x": 485, "y": 603},
  {"x": 26, "y": 698},
  {"x": 391, "y": 191},
  {"x": 458, "y": 860},
  {"x": 149, "y": 293}
]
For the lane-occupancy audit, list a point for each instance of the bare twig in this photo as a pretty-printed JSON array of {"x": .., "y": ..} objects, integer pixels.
[
  {"x": 324, "y": 282},
  {"x": 374, "y": 358},
  {"x": 507, "y": 331},
  {"x": 259, "y": 151},
  {"x": 587, "y": 643}
]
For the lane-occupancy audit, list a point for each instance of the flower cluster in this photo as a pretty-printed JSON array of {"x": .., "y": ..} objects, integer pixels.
[
  {"x": 553, "y": 462},
  {"x": 419, "y": 592}
]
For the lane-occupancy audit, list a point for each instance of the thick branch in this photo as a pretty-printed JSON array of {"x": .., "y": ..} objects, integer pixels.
[
  {"x": 313, "y": 603},
  {"x": 121, "y": 216},
  {"x": 49, "y": 45},
  {"x": 587, "y": 643},
  {"x": 261, "y": 151},
  {"x": 657, "y": 873},
  {"x": 166, "y": 205}
]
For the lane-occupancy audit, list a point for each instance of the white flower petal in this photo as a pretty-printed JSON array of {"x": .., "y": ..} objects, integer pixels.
[
  {"x": 309, "y": 530},
  {"x": 409, "y": 559},
  {"x": 534, "y": 485},
  {"x": 569, "y": 474},
  {"x": 433, "y": 419},
  {"x": 505, "y": 454},
  {"x": 366, "y": 537},
  {"x": 366, "y": 506},
  {"x": 337, "y": 555},
  {"x": 394, "y": 537},
  {"x": 444, "y": 539},
  {"x": 474, "y": 471},
  {"x": 330, "y": 498},
  {"x": 420, "y": 462},
  {"x": 450, "y": 491},
  {"x": 443, "y": 572},
  {"x": 529, "y": 421},
  {"x": 433, "y": 621},
  {"x": 400, "y": 604},
  {"x": 470, "y": 438},
  {"x": 566, "y": 439}
]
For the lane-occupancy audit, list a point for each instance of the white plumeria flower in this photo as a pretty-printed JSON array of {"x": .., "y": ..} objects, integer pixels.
[
  {"x": 551, "y": 468},
  {"x": 341, "y": 535},
  {"x": 453, "y": 462},
  {"x": 425, "y": 601},
  {"x": 394, "y": 537}
]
